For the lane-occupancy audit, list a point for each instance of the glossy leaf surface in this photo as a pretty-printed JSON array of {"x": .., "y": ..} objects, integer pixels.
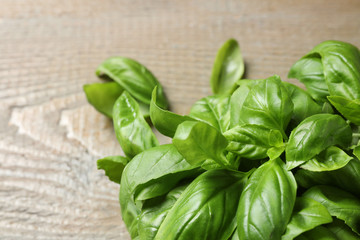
[
  {"x": 339, "y": 203},
  {"x": 252, "y": 141},
  {"x": 310, "y": 72},
  {"x": 228, "y": 68},
  {"x": 350, "y": 109},
  {"x": 267, "y": 202},
  {"x": 314, "y": 135},
  {"x": 133, "y": 77},
  {"x": 330, "y": 159},
  {"x": 213, "y": 110},
  {"x": 198, "y": 142},
  {"x": 268, "y": 104},
  {"x": 132, "y": 131},
  {"x": 206, "y": 209},
  {"x": 307, "y": 215},
  {"x": 237, "y": 100},
  {"x": 113, "y": 166}
]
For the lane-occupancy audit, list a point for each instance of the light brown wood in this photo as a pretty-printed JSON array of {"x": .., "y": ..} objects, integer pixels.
[{"x": 50, "y": 137}]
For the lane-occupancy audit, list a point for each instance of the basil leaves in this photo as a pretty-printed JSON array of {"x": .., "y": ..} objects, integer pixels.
[{"x": 258, "y": 159}]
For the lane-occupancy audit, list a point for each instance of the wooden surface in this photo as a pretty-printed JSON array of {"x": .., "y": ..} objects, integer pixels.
[{"x": 50, "y": 137}]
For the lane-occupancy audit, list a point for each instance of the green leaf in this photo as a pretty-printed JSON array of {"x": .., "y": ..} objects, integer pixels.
[
  {"x": 339, "y": 203},
  {"x": 314, "y": 135},
  {"x": 155, "y": 210},
  {"x": 341, "y": 230},
  {"x": 228, "y": 68},
  {"x": 134, "y": 78},
  {"x": 267, "y": 202},
  {"x": 213, "y": 110},
  {"x": 113, "y": 166},
  {"x": 206, "y": 209},
  {"x": 252, "y": 141},
  {"x": 318, "y": 233},
  {"x": 330, "y": 159},
  {"x": 103, "y": 96},
  {"x": 350, "y": 109},
  {"x": 155, "y": 171},
  {"x": 357, "y": 151},
  {"x": 268, "y": 104},
  {"x": 310, "y": 72},
  {"x": 161, "y": 169},
  {"x": 164, "y": 121},
  {"x": 346, "y": 178},
  {"x": 341, "y": 66},
  {"x": 198, "y": 142},
  {"x": 304, "y": 105},
  {"x": 307, "y": 215},
  {"x": 237, "y": 100},
  {"x": 132, "y": 131}
]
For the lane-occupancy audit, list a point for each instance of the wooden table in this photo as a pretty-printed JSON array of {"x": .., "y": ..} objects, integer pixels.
[{"x": 50, "y": 137}]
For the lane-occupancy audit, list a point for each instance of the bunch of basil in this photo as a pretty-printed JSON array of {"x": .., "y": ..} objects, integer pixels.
[{"x": 259, "y": 159}]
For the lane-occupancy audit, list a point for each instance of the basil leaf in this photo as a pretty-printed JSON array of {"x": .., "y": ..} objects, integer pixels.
[
  {"x": 309, "y": 139},
  {"x": 133, "y": 77},
  {"x": 310, "y": 72},
  {"x": 341, "y": 66},
  {"x": 198, "y": 142},
  {"x": 330, "y": 159},
  {"x": 155, "y": 210},
  {"x": 237, "y": 100},
  {"x": 228, "y": 68},
  {"x": 350, "y": 109},
  {"x": 103, "y": 96},
  {"x": 161, "y": 169},
  {"x": 307, "y": 215},
  {"x": 206, "y": 209},
  {"x": 304, "y": 105},
  {"x": 213, "y": 110},
  {"x": 318, "y": 233},
  {"x": 132, "y": 131},
  {"x": 113, "y": 166},
  {"x": 356, "y": 151},
  {"x": 346, "y": 178},
  {"x": 341, "y": 230},
  {"x": 164, "y": 121},
  {"x": 339, "y": 203},
  {"x": 267, "y": 202},
  {"x": 268, "y": 104},
  {"x": 252, "y": 141}
]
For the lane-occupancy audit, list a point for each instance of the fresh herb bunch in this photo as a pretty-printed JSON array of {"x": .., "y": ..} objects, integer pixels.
[{"x": 259, "y": 159}]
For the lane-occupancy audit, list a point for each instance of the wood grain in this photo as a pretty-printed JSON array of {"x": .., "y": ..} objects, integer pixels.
[{"x": 50, "y": 137}]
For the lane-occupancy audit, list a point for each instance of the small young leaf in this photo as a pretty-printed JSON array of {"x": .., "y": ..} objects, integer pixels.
[
  {"x": 113, "y": 166},
  {"x": 134, "y": 78},
  {"x": 164, "y": 121},
  {"x": 132, "y": 131},
  {"x": 228, "y": 68}
]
